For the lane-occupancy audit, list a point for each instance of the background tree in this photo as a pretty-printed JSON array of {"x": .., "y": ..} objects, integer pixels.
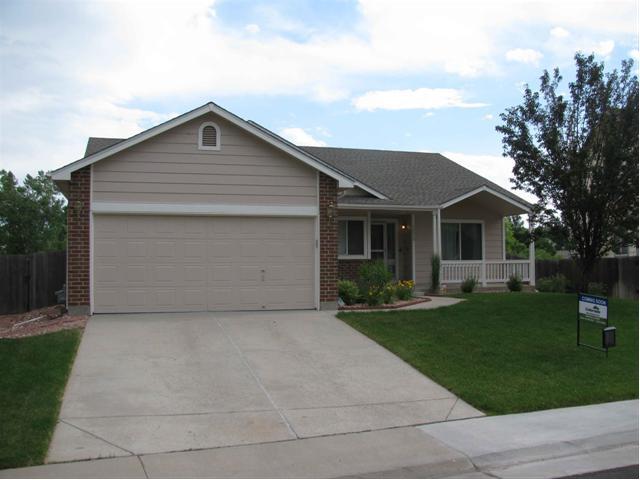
[
  {"x": 579, "y": 156},
  {"x": 32, "y": 215},
  {"x": 517, "y": 240}
]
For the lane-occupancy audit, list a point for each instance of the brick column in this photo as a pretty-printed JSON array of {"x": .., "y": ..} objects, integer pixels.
[
  {"x": 328, "y": 243},
  {"x": 78, "y": 241}
]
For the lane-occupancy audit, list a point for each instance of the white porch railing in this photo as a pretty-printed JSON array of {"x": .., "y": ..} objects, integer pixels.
[{"x": 485, "y": 271}]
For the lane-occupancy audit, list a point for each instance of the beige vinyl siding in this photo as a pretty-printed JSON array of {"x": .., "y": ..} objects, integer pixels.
[
  {"x": 466, "y": 210},
  {"x": 170, "y": 168},
  {"x": 423, "y": 231}
]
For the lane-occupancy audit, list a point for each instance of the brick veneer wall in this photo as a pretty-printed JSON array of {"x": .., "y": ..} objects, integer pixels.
[
  {"x": 328, "y": 240},
  {"x": 78, "y": 241},
  {"x": 348, "y": 269}
]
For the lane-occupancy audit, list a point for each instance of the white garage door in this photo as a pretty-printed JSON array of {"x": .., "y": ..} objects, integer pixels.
[{"x": 165, "y": 263}]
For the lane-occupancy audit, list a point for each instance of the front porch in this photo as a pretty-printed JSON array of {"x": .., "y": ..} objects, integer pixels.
[{"x": 467, "y": 233}]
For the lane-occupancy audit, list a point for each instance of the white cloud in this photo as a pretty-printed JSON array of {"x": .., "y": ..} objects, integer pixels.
[
  {"x": 488, "y": 116},
  {"x": 122, "y": 54},
  {"x": 524, "y": 55},
  {"x": 493, "y": 167},
  {"x": 299, "y": 136},
  {"x": 326, "y": 94},
  {"x": 421, "y": 98},
  {"x": 603, "y": 48},
  {"x": 635, "y": 54},
  {"x": 559, "y": 32},
  {"x": 323, "y": 131}
]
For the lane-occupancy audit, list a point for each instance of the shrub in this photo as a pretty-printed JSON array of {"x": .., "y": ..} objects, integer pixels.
[
  {"x": 373, "y": 276},
  {"x": 435, "y": 272},
  {"x": 404, "y": 289},
  {"x": 468, "y": 285},
  {"x": 348, "y": 291},
  {"x": 515, "y": 283},
  {"x": 374, "y": 296},
  {"x": 389, "y": 293},
  {"x": 556, "y": 283},
  {"x": 595, "y": 288}
]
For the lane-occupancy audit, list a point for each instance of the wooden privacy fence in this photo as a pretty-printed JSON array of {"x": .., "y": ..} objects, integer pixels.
[
  {"x": 618, "y": 274},
  {"x": 30, "y": 281}
]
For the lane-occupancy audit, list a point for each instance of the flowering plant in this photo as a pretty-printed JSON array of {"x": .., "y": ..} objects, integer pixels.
[{"x": 404, "y": 289}]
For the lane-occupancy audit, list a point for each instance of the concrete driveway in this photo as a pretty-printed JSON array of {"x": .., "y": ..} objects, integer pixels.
[{"x": 151, "y": 383}]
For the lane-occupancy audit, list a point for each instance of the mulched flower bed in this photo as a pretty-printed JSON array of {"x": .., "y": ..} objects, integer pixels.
[
  {"x": 385, "y": 306},
  {"x": 37, "y": 322}
]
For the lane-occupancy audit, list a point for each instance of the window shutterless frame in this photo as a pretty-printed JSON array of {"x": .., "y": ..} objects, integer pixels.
[
  {"x": 365, "y": 237},
  {"x": 482, "y": 237}
]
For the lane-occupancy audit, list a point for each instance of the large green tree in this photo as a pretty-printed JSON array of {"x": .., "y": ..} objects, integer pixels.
[
  {"x": 578, "y": 153},
  {"x": 32, "y": 215}
]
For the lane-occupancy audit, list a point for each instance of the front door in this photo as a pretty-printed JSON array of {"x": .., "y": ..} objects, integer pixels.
[{"x": 384, "y": 244}]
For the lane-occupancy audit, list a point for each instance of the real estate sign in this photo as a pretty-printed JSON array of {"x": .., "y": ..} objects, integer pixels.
[
  {"x": 593, "y": 308},
  {"x": 594, "y": 312}
]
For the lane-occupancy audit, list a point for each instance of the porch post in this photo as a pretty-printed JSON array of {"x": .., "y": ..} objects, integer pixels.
[
  {"x": 532, "y": 256},
  {"x": 439, "y": 234},
  {"x": 367, "y": 236},
  {"x": 413, "y": 247},
  {"x": 434, "y": 223}
]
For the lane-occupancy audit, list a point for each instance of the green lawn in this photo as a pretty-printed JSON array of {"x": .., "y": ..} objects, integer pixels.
[
  {"x": 512, "y": 352},
  {"x": 34, "y": 374}
]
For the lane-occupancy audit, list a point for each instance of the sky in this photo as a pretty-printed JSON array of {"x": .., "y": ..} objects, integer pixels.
[{"x": 385, "y": 74}]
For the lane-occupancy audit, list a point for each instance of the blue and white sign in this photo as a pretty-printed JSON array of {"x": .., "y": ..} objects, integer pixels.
[{"x": 593, "y": 308}]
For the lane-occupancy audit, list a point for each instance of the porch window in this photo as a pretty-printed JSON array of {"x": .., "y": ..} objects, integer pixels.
[
  {"x": 351, "y": 238},
  {"x": 461, "y": 241}
]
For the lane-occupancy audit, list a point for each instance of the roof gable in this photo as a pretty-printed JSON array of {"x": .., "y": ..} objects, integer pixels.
[{"x": 107, "y": 147}]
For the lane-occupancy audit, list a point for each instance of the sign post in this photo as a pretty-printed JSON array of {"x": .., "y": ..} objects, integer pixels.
[{"x": 595, "y": 310}]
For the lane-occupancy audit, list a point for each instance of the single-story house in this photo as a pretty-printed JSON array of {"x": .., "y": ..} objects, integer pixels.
[{"x": 208, "y": 211}]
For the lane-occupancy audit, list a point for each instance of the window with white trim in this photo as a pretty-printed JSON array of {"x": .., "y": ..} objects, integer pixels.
[
  {"x": 461, "y": 241},
  {"x": 352, "y": 238},
  {"x": 209, "y": 136}
]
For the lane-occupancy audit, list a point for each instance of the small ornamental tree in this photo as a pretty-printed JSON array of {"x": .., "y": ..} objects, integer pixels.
[{"x": 579, "y": 156}]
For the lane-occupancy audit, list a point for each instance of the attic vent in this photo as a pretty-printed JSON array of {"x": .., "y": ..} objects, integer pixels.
[{"x": 209, "y": 137}]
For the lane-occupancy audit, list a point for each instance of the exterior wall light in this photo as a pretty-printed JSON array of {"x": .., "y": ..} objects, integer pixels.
[{"x": 331, "y": 211}]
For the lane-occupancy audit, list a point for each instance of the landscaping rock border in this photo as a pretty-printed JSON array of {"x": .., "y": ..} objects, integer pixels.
[{"x": 385, "y": 306}]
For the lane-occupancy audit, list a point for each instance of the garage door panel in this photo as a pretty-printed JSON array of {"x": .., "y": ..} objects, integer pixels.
[
  {"x": 195, "y": 297},
  {"x": 195, "y": 251},
  {"x": 137, "y": 298},
  {"x": 136, "y": 274},
  {"x": 222, "y": 249},
  {"x": 136, "y": 249},
  {"x": 167, "y": 274},
  {"x": 195, "y": 274},
  {"x": 150, "y": 263}
]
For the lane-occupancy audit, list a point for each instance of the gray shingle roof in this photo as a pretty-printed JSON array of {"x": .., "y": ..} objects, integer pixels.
[
  {"x": 95, "y": 144},
  {"x": 407, "y": 178}
]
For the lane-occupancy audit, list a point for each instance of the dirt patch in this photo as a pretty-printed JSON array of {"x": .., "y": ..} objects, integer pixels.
[
  {"x": 385, "y": 306},
  {"x": 37, "y": 322}
]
